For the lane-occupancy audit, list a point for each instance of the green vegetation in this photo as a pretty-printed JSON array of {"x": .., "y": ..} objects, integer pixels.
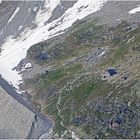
[
  {"x": 82, "y": 92},
  {"x": 75, "y": 85},
  {"x": 56, "y": 78},
  {"x": 60, "y": 73},
  {"x": 121, "y": 52}
]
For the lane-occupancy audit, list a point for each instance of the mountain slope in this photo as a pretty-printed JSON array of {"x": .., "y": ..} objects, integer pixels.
[
  {"x": 87, "y": 78},
  {"x": 36, "y": 15},
  {"x": 83, "y": 73}
]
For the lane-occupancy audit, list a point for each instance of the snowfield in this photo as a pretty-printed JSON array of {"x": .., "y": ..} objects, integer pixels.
[
  {"x": 134, "y": 11},
  {"x": 14, "y": 50}
]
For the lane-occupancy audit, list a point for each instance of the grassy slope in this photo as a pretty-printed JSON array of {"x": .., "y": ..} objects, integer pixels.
[{"x": 84, "y": 86}]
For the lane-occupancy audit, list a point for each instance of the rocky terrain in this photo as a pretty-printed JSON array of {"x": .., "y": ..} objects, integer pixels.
[{"x": 85, "y": 77}]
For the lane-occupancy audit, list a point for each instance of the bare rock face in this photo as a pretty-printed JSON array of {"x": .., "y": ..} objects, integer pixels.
[{"x": 18, "y": 122}]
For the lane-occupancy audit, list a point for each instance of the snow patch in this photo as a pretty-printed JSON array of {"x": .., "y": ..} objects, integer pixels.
[
  {"x": 20, "y": 27},
  {"x": 1, "y": 32},
  {"x": 14, "y": 14},
  {"x": 102, "y": 53},
  {"x": 29, "y": 10},
  {"x": 27, "y": 66},
  {"x": 134, "y": 11},
  {"x": 35, "y": 9}
]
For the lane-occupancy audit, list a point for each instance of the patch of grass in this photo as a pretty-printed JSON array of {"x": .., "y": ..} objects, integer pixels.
[
  {"x": 67, "y": 114},
  {"x": 82, "y": 94},
  {"x": 114, "y": 56},
  {"x": 86, "y": 91},
  {"x": 83, "y": 91},
  {"x": 57, "y": 74},
  {"x": 58, "y": 127},
  {"x": 87, "y": 129},
  {"x": 57, "y": 77},
  {"x": 120, "y": 53},
  {"x": 112, "y": 134}
]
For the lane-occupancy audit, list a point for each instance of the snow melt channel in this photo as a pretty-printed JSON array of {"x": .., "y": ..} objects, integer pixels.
[
  {"x": 14, "y": 14},
  {"x": 14, "y": 50}
]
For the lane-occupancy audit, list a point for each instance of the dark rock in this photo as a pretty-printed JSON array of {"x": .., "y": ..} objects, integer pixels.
[
  {"x": 125, "y": 78},
  {"x": 42, "y": 57},
  {"x": 112, "y": 72},
  {"x": 80, "y": 120},
  {"x": 118, "y": 120}
]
